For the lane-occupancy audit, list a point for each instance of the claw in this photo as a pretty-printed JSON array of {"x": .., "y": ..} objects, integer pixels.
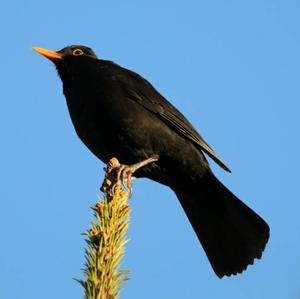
[{"x": 121, "y": 174}]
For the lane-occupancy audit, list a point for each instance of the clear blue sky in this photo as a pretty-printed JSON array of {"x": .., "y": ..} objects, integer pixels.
[{"x": 232, "y": 67}]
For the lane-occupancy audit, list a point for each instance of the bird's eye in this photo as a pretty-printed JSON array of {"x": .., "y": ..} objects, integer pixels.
[{"x": 77, "y": 52}]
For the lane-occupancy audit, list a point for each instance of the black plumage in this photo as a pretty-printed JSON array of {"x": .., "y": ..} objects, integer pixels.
[{"x": 117, "y": 113}]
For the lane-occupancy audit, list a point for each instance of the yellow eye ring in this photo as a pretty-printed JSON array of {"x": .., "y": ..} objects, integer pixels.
[{"x": 77, "y": 52}]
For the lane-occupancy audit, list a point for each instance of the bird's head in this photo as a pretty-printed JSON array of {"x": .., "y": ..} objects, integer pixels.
[
  {"x": 71, "y": 52},
  {"x": 69, "y": 59}
]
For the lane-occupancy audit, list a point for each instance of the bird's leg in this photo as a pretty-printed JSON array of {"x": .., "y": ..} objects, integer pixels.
[
  {"x": 121, "y": 174},
  {"x": 126, "y": 171}
]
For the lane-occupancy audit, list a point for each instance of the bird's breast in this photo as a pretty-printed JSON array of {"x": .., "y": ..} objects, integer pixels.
[{"x": 112, "y": 125}]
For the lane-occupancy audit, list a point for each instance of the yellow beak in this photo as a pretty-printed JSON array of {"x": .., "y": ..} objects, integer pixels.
[{"x": 52, "y": 55}]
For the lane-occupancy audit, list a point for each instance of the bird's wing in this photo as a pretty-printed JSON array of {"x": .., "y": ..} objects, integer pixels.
[{"x": 142, "y": 92}]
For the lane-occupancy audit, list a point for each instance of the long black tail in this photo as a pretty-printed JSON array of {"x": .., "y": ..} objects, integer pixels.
[{"x": 231, "y": 234}]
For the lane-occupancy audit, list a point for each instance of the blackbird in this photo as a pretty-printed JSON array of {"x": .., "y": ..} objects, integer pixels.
[{"x": 117, "y": 113}]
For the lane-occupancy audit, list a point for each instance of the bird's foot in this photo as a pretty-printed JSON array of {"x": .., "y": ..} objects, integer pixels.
[{"x": 121, "y": 174}]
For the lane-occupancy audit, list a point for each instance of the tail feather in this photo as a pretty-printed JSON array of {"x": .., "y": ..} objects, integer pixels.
[{"x": 231, "y": 234}]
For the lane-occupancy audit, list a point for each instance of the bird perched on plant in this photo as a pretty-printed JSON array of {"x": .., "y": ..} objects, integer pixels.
[{"x": 117, "y": 113}]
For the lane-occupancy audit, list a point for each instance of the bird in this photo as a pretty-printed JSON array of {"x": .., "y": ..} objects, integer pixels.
[{"x": 118, "y": 113}]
